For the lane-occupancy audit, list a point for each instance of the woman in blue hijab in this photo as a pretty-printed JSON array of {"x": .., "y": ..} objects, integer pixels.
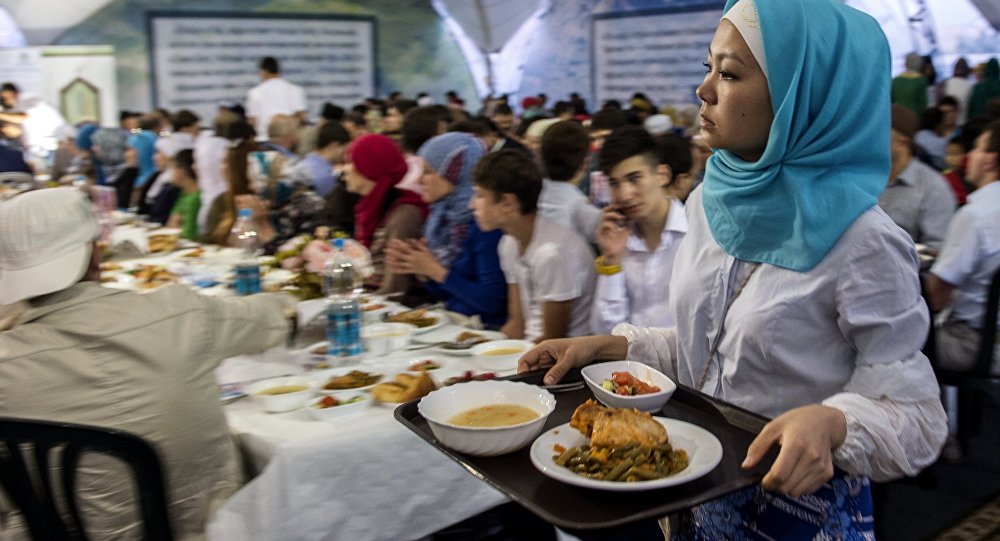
[
  {"x": 795, "y": 296},
  {"x": 460, "y": 262}
]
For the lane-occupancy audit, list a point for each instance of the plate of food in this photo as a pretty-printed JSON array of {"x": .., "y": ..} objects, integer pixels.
[
  {"x": 339, "y": 380},
  {"x": 425, "y": 364},
  {"x": 457, "y": 343},
  {"x": 424, "y": 320},
  {"x": 625, "y": 450}
]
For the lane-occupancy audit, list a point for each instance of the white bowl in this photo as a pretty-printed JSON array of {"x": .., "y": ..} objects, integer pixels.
[
  {"x": 595, "y": 374},
  {"x": 381, "y": 338},
  {"x": 280, "y": 402},
  {"x": 484, "y": 359},
  {"x": 370, "y": 314},
  {"x": 443, "y": 404},
  {"x": 327, "y": 414}
]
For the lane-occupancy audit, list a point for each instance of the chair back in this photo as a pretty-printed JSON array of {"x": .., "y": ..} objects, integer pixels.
[
  {"x": 27, "y": 450},
  {"x": 988, "y": 334}
]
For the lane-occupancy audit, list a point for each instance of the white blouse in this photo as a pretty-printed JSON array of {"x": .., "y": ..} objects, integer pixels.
[{"x": 847, "y": 334}]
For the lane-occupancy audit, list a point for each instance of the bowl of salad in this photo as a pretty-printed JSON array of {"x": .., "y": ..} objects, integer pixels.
[
  {"x": 628, "y": 384},
  {"x": 329, "y": 407}
]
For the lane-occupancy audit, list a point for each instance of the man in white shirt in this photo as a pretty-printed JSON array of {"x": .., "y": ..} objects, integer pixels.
[
  {"x": 273, "y": 96},
  {"x": 563, "y": 153},
  {"x": 639, "y": 234},
  {"x": 548, "y": 268},
  {"x": 961, "y": 276},
  {"x": 917, "y": 197}
]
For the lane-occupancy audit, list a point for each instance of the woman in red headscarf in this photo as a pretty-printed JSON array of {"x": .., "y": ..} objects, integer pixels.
[{"x": 374, "y": 168}]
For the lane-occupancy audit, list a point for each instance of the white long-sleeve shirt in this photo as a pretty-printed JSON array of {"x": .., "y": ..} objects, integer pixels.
[
  {"x": 846, "y": 334},
  {"x": 638, "y": 294}
]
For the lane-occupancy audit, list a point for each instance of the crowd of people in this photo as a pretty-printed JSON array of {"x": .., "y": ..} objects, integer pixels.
[{"x": 766, "y": 240}]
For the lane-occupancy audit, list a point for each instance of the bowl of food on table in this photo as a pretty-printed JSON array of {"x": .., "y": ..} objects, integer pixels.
[
  {"x": 381, "y": 338},
  {"x": 487, "y": 418},
  {"x": 338, "y": 381},
  {"x": 628, "y": 384},
  {"x": 279, "y": 394},
  {"x": 500, "y": 355},
  {"x": 328, "y": 407}
]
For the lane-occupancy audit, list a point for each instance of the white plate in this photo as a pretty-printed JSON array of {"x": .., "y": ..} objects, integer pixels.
[
  {"x": 442, "y": 363},
  {"x": 320, "y": 377},
  {"x": 447, "y": 335},
  {"x": 441, "y": 318},
  {"x": 703, "y": 448}
]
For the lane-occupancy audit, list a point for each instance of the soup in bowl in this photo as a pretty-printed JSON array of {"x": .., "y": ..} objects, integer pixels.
[
  {"x": 487, "y": 418},
  {"x": 500, "y": 355},
  {"x": 281, "y": 394}
]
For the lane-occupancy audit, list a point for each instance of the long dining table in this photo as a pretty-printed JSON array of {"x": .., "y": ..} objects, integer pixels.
[{"x": 362, "y": 476}]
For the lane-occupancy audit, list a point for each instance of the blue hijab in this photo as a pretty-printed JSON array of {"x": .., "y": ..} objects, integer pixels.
[
  {"x": 454, "y": 156},
  {"x": 827, "y": 156}
]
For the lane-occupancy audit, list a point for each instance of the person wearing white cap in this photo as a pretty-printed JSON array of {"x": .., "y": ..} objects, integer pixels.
[
  {"x": 74, "y": 351},
  {"x": 658, "y": 124}
]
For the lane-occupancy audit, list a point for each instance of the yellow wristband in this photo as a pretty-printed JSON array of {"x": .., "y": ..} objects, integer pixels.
[{"x": 606, "y": 270}]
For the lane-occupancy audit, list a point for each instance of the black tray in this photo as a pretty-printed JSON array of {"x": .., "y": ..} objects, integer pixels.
[{"x": 578, "y": 508}]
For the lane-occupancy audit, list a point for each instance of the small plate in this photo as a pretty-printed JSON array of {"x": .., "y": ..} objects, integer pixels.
[
  {"x": 319, "y": 378},
  {"x": 703, "y": 448},
  {"x": 446, "y": 335},
  {"x": 442, "y": 364}
]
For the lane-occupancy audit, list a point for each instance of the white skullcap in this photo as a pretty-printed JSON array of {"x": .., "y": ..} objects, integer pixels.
[{"x": 744, "y": 17}]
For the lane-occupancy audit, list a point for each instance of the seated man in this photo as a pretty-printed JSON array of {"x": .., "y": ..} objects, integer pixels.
[
  {"x": 76, "y": 352},
  {"x": 961, "y": 276},
  {"x": 549, "y": 268},
  {"x": 316, "y": 169},
  {"x": 563, "y": 152},
  {"x": 639, "y": 233},
  {"x": 917, "y": 197}
]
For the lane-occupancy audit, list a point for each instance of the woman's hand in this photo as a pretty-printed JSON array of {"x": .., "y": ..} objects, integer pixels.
[
  {"x": 413, "y": 257},
  {"x": 563, "y": 354},
  {"x": 807, "y": 437},
  {"x": 612, "y": 234}
]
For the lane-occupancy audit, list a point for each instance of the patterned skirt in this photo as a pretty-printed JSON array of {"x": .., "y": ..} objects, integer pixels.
[{"x": 840, "y": 510}]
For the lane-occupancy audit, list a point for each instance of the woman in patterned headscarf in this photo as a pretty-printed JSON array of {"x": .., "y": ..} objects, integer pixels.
[{"x": 459, "y": 261}]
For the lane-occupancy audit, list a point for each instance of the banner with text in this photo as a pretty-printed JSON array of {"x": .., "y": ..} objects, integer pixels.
[
  {"x": 203, "y": 60},
  {"x": 658, "y": 53}
]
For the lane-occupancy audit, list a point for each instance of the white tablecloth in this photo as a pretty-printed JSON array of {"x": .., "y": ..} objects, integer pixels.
[{"x": 362, "y": 477}]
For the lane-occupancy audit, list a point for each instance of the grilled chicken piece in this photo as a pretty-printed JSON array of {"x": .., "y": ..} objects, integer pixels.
[{"x": 611, "y": 427}]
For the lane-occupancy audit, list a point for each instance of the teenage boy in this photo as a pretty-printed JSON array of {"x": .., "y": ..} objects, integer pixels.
[
  {"x": 548, "y": 268},
  {"x": 639, "y": 233},
  {"x": 564, "y": 160}
]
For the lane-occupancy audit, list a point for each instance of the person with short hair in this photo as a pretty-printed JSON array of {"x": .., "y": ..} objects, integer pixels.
[
  {"x": 273, "y": 96},
  {"x": 317, "y": 168},
  {"x": 638, "y": 236},
  {"x": 909, "y": 88},
  {"x": 548, "y": 268},
  {"x": 563, "y": 151},
  {"x": 916, "y": 197},
  {"x": 76, "y": 352},
  {"x": 970, "y": 256}
]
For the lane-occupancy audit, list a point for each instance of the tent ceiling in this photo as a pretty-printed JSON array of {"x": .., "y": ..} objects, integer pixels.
[
  {"x": 490, "y": 23},
  {"x": 42, "y": 21}
]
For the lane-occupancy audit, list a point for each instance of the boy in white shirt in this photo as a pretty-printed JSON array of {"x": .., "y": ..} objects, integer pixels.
[
  {"x": 639, "y": 233},
  {"x": 564, "y": 162},
  {"x": 548, "y": 268}
]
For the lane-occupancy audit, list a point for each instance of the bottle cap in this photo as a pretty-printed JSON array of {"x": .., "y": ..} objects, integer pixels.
[
  {"x": 245, "y": 213},
  {"x": 338, "y": 243}
]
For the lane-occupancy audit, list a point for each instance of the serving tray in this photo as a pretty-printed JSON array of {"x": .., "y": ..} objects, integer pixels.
[{"x": 576, "y": 508}]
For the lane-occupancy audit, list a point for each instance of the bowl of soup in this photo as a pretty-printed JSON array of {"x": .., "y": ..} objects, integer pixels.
[
  {"x": 487, "y": 418},
  {"x": 500, "y": 355},
  {"x": 285, "y": 393}
]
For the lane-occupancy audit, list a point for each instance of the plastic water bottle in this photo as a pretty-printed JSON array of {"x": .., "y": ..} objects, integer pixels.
[
  {"x": 343, "y": 310},
  {"x": 243, "y": 235}
]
